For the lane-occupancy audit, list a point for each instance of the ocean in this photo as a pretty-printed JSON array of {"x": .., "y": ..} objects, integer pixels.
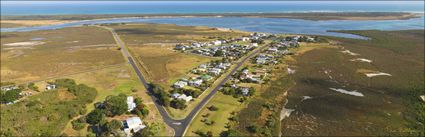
[
  {"x": 270, "y": 25},
  {"x": 193, "y": 7}
]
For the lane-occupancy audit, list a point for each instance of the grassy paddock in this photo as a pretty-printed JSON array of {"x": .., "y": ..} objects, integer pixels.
[{"x": 53, "y": 53}]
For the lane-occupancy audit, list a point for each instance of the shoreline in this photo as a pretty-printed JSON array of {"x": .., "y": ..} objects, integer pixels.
[{"x": 315, "y": 16}]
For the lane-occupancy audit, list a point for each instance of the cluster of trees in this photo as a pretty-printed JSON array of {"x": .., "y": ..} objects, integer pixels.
[
  {"x": 259, "y": 41},
  {"x": 212, "y": 108},
  {"x": 203, "y": 134},
  {"x": 32, "y": 86},
  {"x": 189, "y": 92},
  {"x": 158, "y": 92},
  {"x": 141, "y": 110},
  {"x": 112, "y": 106},
  {"x": 151, "y": 130},
  {"x": 115, "y": 105},
  {"x": 231, "y": 133},
  {"x": 218, "y": 53},
  {"x": 9, "y": 96},
  {"x": 178, "y": 104},
  {"x": 236, "y": 92}
]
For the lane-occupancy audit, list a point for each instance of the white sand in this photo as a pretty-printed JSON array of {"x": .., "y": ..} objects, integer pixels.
[
  {"x": 284, "y": 113},
  {"x": 362, "y": 60},
  {"x": 306, "y": 97},
  {"x": 350, "y": 53},
  {"x": 290, "y": 71},
  {"x": 353, "y": 93},
  {"x": 377, "y": 74},
  {"x": 28, "y": 43}
]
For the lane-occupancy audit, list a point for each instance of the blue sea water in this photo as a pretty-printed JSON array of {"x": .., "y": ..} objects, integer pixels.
[
  {"x": 270, "y": 25},
  {"x": 161, "y": 7}
]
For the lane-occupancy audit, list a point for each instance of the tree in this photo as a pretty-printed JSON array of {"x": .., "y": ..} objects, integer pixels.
[
  {"x": 209, "y": 134},
  {"x": 116, "y": 105},
  {"x": 252, "y": 129},
  {"x": 112, "y": 126},
  {"x": 178, "y": 104},
  {"x": 95, "y": 116},
  {"x": 78, "y": 124},
  {"x": 193, "y": 93},
  {"x": 231, "y": 133},
  {"x": 65, "y": 83},
  {"x": 251, "y": 91},
  {"x": 10, "y": 96},
  {"x": 162, "y": 96},
  {"x": 218, "y": 53},
  {"x": 32, "y": 86},
  {"x": 150, "y": 131},
  {"x": 145, "y": 112},
  {"x": 213, "y": 108}
]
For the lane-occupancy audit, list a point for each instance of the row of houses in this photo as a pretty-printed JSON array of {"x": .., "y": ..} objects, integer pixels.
[
  {"x": 12, "y": 87},
  {"x": 203, "y": 74},
  {"x": 233, "y": 51},
  {"x": 195, "y": 45}
]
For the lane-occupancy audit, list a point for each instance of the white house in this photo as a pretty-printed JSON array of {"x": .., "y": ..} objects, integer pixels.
[
  {"x": 196, "y": 45},
  {"x": 132, "y": 124},
  {"x": 130, "y": 103},
  {"x": 180, "y": 47},
  {"x": 273, "y": 49},
  {"x": 50, "y": 86},
  {"x": 216, "y": 42},
  {"x": 7, "y": 88},
  {"x": 244, "y": 39},
  {"x": 254, "y": 44},
  {"x": 195, "y": 82},
  {"x": 203, "y": 66},
  {"x": 180, "y": 84},
  {"x": 245, "y": 91},
  {"x": 261, "y": 60},
  {"x": 185, "y": 98},
  {"x": 175, "y": 95},
  {"x": 214, "y": 71}
]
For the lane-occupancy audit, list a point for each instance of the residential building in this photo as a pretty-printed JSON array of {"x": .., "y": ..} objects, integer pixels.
[
  {"x": 185, "y": 98},
  {"x": 180, "y": 84},
  {"x": 196, "y": 82},
  {"x": 50, "y": 86},
  {"x": 132, "y": 125},
  {"x": 130, "y": 103}
]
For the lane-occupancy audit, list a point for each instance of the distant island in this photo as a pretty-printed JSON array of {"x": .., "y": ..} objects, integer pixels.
[{"x": 295, "y": 15}]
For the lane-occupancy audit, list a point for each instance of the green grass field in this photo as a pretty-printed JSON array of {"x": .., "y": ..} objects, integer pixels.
[{"x": 225, "y": 104}]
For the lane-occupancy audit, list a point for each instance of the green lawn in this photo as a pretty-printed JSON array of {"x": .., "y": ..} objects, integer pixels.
[{"x": 225, "y": 104}]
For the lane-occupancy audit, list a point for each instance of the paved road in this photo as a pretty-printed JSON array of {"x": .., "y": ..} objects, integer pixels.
[{"x": 179, "y": 126}]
